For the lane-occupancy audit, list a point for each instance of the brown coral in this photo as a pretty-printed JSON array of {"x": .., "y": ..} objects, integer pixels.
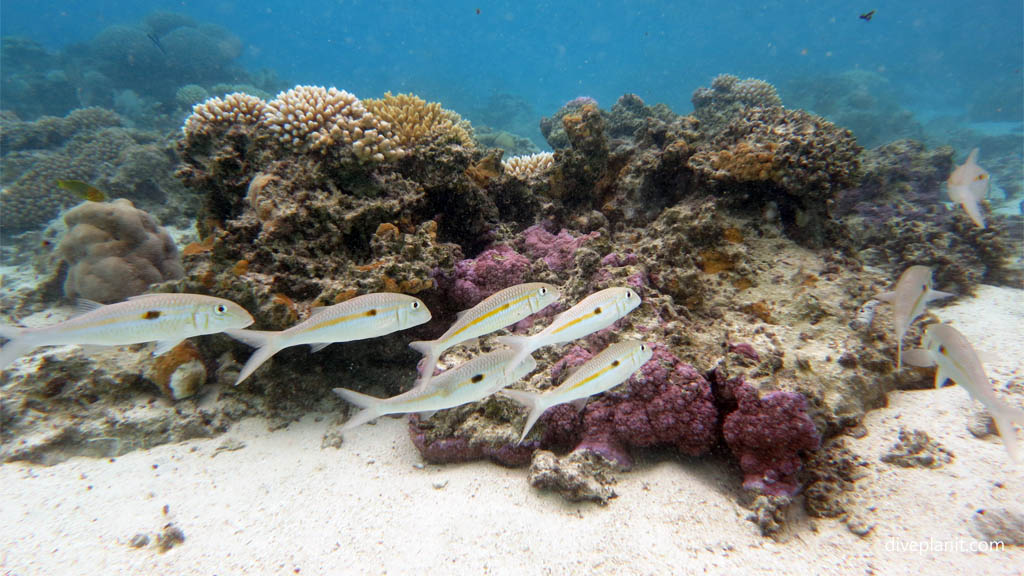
[
  {"x": 416, "y": 122},
  {"x": 236, "y": 109}
]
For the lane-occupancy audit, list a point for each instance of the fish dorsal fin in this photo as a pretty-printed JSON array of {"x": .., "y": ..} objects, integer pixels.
[
  {"x": 319, "y": 346},
  {"x": 460, "y": 314},
  {"x": 317, "y": 309},
  {"x": 972, "y": 158},
  {"x": 83, "y": 305}
]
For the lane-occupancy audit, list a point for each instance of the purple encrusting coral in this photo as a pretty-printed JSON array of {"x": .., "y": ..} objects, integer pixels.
[
  {"x": 557, "y": 250},
  {"x": 767, "y": 436},
  {"x": 462, "y": 449},
  {"x": 477, "y": 278}
]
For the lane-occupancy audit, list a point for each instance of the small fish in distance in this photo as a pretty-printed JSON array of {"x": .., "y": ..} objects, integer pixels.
[
  {"x": 468, "y": 382},
  {"x": 867, "y": 16},
  {"x": 613, "y": 366},
  {"x": 595, "y": 312},
  {"x": 362, "y": 317},
  {"x": 968, "y": 186},
  {"x": 947, "y": 348},
  {"x": 83, "y": 190},
  {"x": 165, "y": 318},
  {"x": 910, "y": 296},
  {"x": 501, "y": 309}
]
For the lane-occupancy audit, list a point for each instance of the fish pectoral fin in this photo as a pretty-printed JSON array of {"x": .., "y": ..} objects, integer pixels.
[
  {"x": 940, "y": 377},
  {"x": 427, "y": 415},
  {"x": 165, "y": 346},
  {"x": 317, "y": 309},
  {"x": 580, "y": 403},
  {"x": 319, "y": 346},
  {"x": 885, "y": 296},
  {"x": 919, "y": 357}
]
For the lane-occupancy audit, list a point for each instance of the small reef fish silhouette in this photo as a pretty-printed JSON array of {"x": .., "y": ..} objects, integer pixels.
[
  {"x": 613, "y": 366},
  {"x": 165, "y": 318},
  {"x": 910, "y": 296},
  {"x": 501, "y": 309},
  {"x": 473, "y": 380},
  {"x": 947, "y": 348},
  {"x": 867, "y": 16},
  {"x": 362, "y": 317},
  {"x": 968, "y": 186},
  {"x": 595, "y": 312},
  {"x": 83, "y": 190}
]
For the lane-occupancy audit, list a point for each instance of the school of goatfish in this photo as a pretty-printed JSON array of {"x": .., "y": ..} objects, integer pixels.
[{"x": 170, "y": 318}]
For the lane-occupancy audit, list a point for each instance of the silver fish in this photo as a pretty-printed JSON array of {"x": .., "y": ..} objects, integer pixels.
[
  {"x": 471, "y": 381},
  {"x": 613, "y": 366},
  {"x": 362, "y": 317},
  {"x": 501, "y": 309},
  {"x": 947, "y": 348},
  {"x": 165, "y": 318},
  {"x": 910, "y": 296},
  {"x": 595, "y": 312}
]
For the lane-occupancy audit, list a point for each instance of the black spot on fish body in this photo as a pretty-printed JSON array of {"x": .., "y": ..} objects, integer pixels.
[
  {"x": 476, "y": 378},
  {"x": 371, "y": 312},
  {"x": 151, "y": 315},
  {"x": 615, "y": 363},
  {"x": 597, "y": 310},
  {"x": 942, "y": 350}
]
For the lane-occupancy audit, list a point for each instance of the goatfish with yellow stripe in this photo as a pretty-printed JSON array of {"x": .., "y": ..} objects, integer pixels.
[
  {"x": 501, "y": 309},
  {"x": 595, "y": 312},
  {"x": 471, "y": 381},
  {"x": 362, "y": 317},
  {"x": 948, "y": 349},
  {"x": 910, "y": 296},
  {"x": 613, "y": 366},
  {"x": 165, "y": 318}
]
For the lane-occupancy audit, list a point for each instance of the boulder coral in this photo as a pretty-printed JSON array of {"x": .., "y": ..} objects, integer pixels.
[
  {"x": 728, "y": 98},
  {"x": 115, "y": 251}
]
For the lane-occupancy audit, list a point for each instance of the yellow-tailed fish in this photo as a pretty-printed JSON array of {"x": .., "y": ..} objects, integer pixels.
[
  {"x": 595, "y": 312},
  {"x": 165, "y": 318},
  {"x": 613, "y": 366},
  {"x": 910, "y": 296},
  {"x": 956, "y": 359},
  {"x": 359, "y": 318},
  {"x": 471, "y": 381},
  {"x": 501, "y": 309},
  {"x": 83, "y": 190}
]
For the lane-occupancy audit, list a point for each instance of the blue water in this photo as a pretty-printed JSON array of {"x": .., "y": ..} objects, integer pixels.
[{"x": 935, "y": 54}]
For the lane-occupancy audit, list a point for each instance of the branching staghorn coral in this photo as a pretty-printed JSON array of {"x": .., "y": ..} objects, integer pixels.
[{"x": 416, "y": 121}]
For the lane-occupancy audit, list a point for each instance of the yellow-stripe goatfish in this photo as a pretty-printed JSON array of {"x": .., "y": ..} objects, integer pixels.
[
  {"x": 956, "y": 359},
  {"x": 362, "y": 317},
  {"x": 613, "y": 366},
  {"x": 910, "y": 296},
  {"x": 471, "y": 381},
  {"x": 595, "y": 312},
  {"x": 501, "y": 309},
  {"x": 165, "y": 318}
]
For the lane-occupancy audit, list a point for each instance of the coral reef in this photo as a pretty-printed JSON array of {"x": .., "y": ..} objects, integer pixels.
[
  {"x": 895, "y": 218},
  {"x": 115, "y": 251},
  {"x": 235, "y": 109},
  {"x": 416, "y": 121},
  {"x": 532, "y": 166},
  {"x": 728, "y": 99}
]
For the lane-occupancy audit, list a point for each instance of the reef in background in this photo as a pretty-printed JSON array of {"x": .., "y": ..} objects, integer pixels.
[{"x": 728, "y": 228}]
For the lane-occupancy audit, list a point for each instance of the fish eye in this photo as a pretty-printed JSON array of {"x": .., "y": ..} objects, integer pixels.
[
  {"x": 415, "y": 305},
  {"x": 543, "y": 291},
  {"x": 221, "y": 308},
  {"x": 643, "y": 348}
]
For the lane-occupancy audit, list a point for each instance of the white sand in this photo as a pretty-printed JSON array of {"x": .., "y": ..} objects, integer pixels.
[{"x": 282, "y": 505}]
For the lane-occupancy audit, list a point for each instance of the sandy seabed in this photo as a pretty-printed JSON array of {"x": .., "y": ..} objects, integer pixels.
[{"x": 260, "y": 502}]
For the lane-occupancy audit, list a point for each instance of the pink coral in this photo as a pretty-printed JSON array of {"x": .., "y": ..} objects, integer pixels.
[
  {"x": 494, "y": 269},
  {"x": 557, "y": 250},
  {"x": 767, "y": 435}
]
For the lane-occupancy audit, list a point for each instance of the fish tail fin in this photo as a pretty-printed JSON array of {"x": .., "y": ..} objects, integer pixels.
[
  {"x": 265, "y": 344},
  {"x": 429, "y": 361},
  {"x": 18, "y": 344},
  {"x": 1005, "y": 417},
  {"x": 533, "y": 402},
  {"x": 370, "y": 407},
  {"x": 523, "y": 346}
]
